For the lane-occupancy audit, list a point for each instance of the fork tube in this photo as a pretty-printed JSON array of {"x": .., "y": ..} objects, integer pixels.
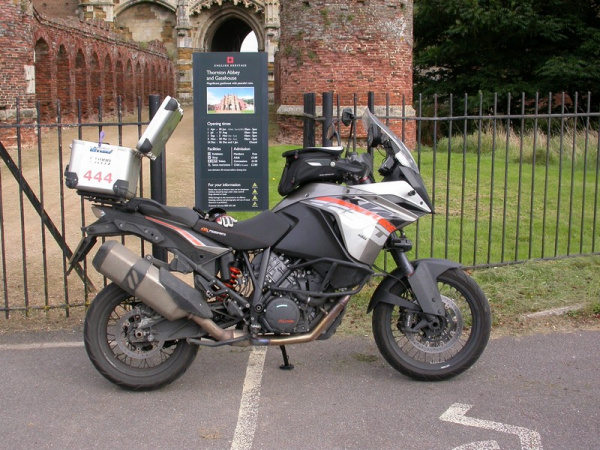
[{"x": 403, "y": 263}]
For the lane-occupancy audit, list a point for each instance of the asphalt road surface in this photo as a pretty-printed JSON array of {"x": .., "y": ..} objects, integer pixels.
[{"x": 524, "y": 393}]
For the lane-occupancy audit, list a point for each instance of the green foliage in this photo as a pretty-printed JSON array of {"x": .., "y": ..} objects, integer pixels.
[{"x": 471, "y": 46}]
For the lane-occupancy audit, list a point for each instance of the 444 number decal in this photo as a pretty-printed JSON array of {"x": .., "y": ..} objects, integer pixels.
[{"x": 100, "y": 177}]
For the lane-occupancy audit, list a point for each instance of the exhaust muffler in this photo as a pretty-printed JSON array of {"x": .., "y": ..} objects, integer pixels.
[{"x": 156, "y": 287}]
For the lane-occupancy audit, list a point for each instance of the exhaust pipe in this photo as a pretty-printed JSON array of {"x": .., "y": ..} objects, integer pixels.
[
  {"x": 237, "y": 335},
  {"x": 157, "y": 288},
  {"x": 239, "y": 338}
]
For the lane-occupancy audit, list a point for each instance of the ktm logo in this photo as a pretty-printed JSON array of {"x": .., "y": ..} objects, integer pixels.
[{"x": 204, "y": 230}]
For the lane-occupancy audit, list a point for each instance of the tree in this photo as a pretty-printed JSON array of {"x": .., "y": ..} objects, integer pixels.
[{"x": 472, "y": 46}]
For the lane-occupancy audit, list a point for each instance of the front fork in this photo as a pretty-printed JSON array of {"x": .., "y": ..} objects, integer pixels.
[{"x": 421, "y": 276}]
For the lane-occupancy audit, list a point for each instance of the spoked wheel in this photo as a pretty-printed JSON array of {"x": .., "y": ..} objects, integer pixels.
[
  {"x": 438, "y": 352},
  {"x": 119, "y": 342}
]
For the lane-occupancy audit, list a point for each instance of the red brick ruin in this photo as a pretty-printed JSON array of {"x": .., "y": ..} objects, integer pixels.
[
  {"x": 75, "y": 51},
  {"x": 348, "y": 48}
]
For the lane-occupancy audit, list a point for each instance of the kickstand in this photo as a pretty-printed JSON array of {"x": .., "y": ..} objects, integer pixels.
[{"x": 286, "y": 362}]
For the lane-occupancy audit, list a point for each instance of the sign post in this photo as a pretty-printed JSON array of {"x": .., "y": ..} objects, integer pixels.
[{"x": 231, "y": 131}]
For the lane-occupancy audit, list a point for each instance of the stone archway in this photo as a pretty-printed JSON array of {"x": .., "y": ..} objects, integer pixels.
[
  {"x": 228, "y": 37},
  {"x": 223, "y": 29}
]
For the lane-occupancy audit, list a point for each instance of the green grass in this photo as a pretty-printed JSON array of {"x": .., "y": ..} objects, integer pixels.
[
  {"x": 517, "y": 290},
  {"x": 500, "y": 211}
]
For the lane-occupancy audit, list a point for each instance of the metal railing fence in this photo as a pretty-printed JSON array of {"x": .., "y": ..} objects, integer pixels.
[
  {"x": 40, "y": 223},
  {"x": 508, "y": 183}
]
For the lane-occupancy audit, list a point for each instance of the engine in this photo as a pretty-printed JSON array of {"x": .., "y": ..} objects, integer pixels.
[{"x": 287, "y": 312}]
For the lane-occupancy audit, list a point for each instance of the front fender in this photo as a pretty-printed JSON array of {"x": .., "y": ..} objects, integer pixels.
[{"x": 422, "y": 282}]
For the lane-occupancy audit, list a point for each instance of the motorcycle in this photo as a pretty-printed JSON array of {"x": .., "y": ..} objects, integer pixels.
[{"x": 283, "y": 277}]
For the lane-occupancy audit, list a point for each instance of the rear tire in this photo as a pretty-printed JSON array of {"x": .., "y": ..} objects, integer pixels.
[
  {"x": 433, "y": 355},
  {"x": 130, "y": 361}
]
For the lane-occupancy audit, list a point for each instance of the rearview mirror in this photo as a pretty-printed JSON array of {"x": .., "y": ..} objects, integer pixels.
[
  {"x": 373, "y": 136},
  {"x": 347, "y": 116}
]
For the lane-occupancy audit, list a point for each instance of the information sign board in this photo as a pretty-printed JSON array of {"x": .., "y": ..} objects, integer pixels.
[{"x": 231, "y": 131}]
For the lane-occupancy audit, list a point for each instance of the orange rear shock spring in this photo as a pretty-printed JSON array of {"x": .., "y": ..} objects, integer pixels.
[{"x": 234, "y": 273}]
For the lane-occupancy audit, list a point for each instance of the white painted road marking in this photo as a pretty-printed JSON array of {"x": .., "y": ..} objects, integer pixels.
[
  {"x": 481, "y": 445},
  {"x": 40, "y": 345},
  {"x": 530, "y": 440},
  {"x": 246, "y": 424}
]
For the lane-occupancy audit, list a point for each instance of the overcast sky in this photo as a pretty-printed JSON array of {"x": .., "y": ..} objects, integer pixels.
[{"x": 250, "y": 44}]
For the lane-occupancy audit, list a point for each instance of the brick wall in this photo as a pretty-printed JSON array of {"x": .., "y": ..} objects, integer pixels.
[
  {"x": 344, "y": 47},
  {"x": 16, "y": 25},
  {"x": 70, "y": 60}
]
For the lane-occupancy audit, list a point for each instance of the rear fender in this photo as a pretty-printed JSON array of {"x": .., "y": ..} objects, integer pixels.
[
  {"x": 422, "y": 282},
  {"x": 114, "y": 223}
]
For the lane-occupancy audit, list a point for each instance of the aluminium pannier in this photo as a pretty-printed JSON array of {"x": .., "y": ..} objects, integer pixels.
[{"x": 103, "y": 170}]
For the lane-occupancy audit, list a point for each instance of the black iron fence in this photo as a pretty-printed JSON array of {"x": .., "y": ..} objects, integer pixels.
[
  {"x": 509, "y": 183},
  {"x": 40, "y": 221},
  {"x": 510, "y": 180}
]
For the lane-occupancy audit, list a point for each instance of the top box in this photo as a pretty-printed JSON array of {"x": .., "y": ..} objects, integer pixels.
[{"x": 152, "y": 143}]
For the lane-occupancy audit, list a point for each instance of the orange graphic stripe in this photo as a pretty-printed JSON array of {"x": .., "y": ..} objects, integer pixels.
[{"x": 380, "y": 220}]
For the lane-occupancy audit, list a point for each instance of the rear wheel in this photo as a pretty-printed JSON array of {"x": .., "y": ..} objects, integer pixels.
[
  {"x": 427, "y": 353},
  {"x": 119, "y": 342}
]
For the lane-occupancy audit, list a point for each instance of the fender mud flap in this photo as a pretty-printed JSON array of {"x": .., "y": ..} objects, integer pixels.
[
  {"x": 423, "y": 283},
  {"x": 84, "y": 247}
]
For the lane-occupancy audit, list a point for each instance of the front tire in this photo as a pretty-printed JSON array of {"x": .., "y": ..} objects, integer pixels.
[
  {"x": 434, "y": 354},
  {"x": 119, "y": 342}
]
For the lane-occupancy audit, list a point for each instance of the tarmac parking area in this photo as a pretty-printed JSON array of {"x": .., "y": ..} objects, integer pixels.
[{"x": 524, "y": 393}]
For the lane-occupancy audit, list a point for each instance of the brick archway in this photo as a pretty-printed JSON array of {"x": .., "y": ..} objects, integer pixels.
[
  {"x": 63, "y": 81},
  {"x": 109, "y": 101},
  {"x": 43, "y": 77},
  {"x": 81, "y": 86}
]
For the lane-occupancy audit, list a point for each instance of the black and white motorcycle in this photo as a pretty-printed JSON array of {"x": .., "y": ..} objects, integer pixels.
[{"x": 284, "y": 276}]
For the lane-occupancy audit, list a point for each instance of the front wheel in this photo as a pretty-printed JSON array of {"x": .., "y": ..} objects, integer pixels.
[
  {"x": 119, "y": 342},
  {"x": 432, "y": 354}
]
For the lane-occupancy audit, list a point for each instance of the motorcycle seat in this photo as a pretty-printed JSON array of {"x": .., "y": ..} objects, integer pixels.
[
  {"x": 180, "y": 214},
  {"x": 261, "y": 231}
]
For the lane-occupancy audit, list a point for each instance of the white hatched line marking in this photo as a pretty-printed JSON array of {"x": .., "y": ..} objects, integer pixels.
[{"x": 530, "y": 440}]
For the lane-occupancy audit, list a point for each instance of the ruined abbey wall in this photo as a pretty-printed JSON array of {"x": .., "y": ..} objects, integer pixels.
[
  {"x": 80, "y": 50},
  {"x": 345, "y": 47},
  {"x": 64, "y": 61}
]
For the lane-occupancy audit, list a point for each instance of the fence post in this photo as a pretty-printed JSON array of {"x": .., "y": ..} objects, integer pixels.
[
  {"x": 158, "y": 175},
  {"x": 371, "y": 106},
  {"x": 328, "y": 118},
  {"x": 310, "y": 110}
]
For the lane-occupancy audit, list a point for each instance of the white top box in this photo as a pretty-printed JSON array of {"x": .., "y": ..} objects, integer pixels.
[{"x": 103, "y": 169}]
